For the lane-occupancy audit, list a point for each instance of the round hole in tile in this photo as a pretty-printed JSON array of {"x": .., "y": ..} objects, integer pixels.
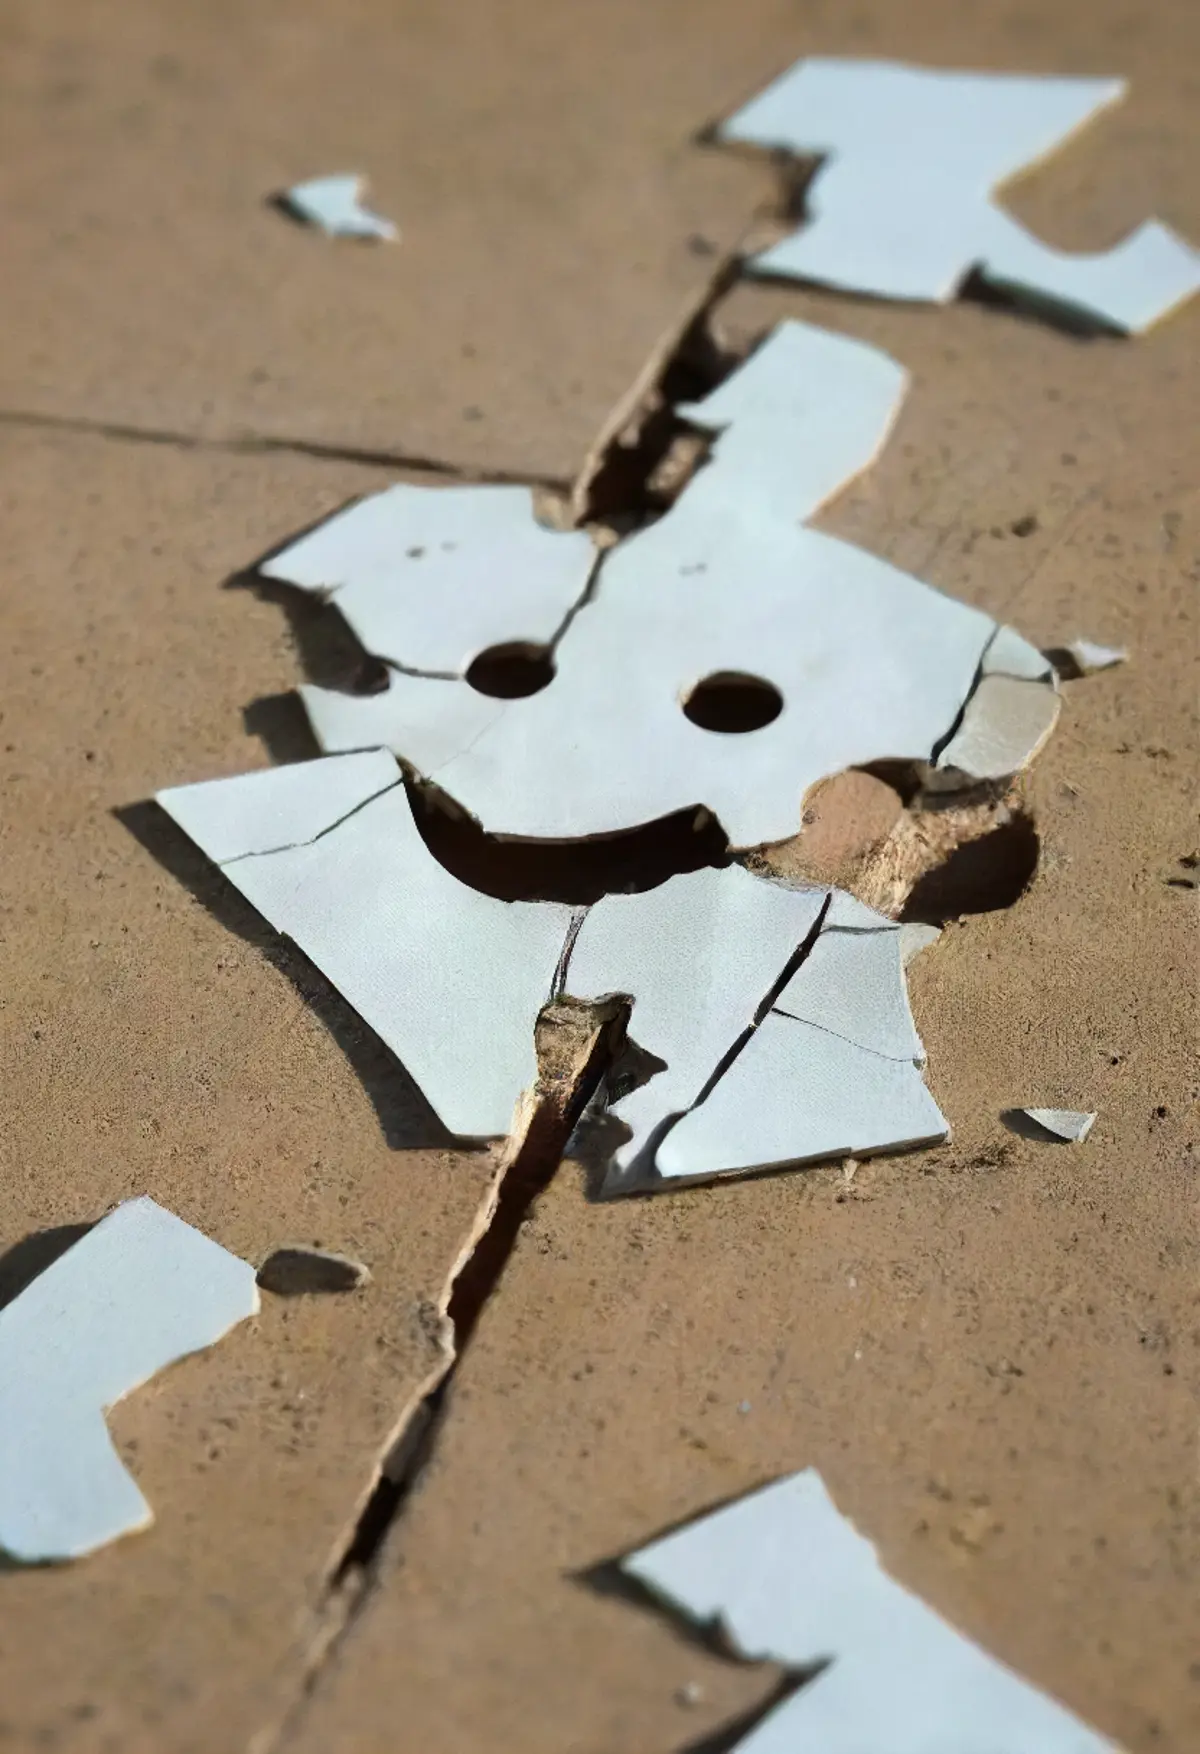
[
  {"x": 730, "y": 700},
  {"x": 510, "y": 672}
]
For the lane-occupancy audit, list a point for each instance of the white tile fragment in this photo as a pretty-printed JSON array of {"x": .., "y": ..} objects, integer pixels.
[
  {"x": 797, "y": 1093},
  {"x": 1065, "y": 1123},
  {"x": 848, "y": 914},
  {"x": 1090, "y": 657},
  {"x": 430, "y": 577},
  {"x": 1005, "y": 723},
  {"x": 279, "y": 807},
  {"x": 139, "y": 1291},
  {"x": 790, "y": 1580},
  {"x": 902, "y": 207},
  {"x": 450, "y": 979},
  {"x": 334, "y": 206},
  {"x": 700, "y": 955},
  {"x": 869, "y": 661}
]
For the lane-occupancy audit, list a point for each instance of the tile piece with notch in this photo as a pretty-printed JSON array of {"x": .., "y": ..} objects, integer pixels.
[
  {"x": 138, "y": 1291},
  {"x": 902, "y": 205},
  {"x": 449, "y": 978}
]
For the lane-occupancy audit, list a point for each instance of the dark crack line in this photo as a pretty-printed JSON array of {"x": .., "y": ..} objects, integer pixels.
[
  {"x": 293, "y": 846},
  {"x": 478, "y": 1275},
  {"x": 948, "y": 736},
  {"x": 263, "y": 445},
  {"x": 474, "y": 1282}
]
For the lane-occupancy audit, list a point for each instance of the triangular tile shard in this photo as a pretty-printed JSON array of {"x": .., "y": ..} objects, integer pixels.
[
  {"x": 851, "y": 660},
  {"x": 450, "y": 979},
  {"x": 902, "y": 206},
  {"x": 789, "y": 1579},
  {"x": 138, "y": 1291},
  {"x": 1090, "y": 657},
  {"x": 333, "y": 205},
  {"x": 430, "y": 578}
]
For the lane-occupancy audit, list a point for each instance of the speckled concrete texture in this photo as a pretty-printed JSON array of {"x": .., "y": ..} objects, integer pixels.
[{"x": 988, "y": 1349}]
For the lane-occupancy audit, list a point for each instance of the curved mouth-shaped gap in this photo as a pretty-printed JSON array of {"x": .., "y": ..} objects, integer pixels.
[
  {"x": 512, "y": 671},
  {"x": 731, "y": 701},
  {"x": 979, "y": 876},
  {"x": 576, "y": 872}
]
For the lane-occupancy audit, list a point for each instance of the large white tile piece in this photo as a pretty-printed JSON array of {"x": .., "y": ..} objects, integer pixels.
[
  {"x": 451, "y": 979},
  {"x": 789, "y": 1579},
  {"x": 138, "y": 1291},
  {"x": 902, "y": 207}
]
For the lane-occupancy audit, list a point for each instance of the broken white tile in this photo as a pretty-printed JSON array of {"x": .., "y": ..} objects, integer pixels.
[
  {"x": 796, "y": 1094},
  {"x": 1090, "y": 657},
  {"x": 279, "y": 807},
  {"x": 700, "y": 956},
  {"x": 139, "y": 1291},
  {"x": 902, "y": 207},
  {"x": 790, "y": 1580},
  {"x": 1065, "y": 1123},
  {"x": 1005, "y": 723},
  {"x": 333, "y": 204},
  {"x": 869, "y": 662},
  {"x": 430, "y": 577},
  {"x": 852, "y": 983},
  {"x": 450, "y": 979}
]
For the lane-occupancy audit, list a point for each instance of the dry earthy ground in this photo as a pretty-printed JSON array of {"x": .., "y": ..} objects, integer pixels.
[{"x": 990, "y": 1350}]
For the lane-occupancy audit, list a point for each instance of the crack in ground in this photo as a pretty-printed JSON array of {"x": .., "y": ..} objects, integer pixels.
[
  {"x": 576, "y": 1043},
  {"x": 262, "y": 445}
]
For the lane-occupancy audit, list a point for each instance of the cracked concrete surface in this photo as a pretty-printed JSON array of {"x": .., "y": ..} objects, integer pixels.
[{"x": 1004, "y": 1391}]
